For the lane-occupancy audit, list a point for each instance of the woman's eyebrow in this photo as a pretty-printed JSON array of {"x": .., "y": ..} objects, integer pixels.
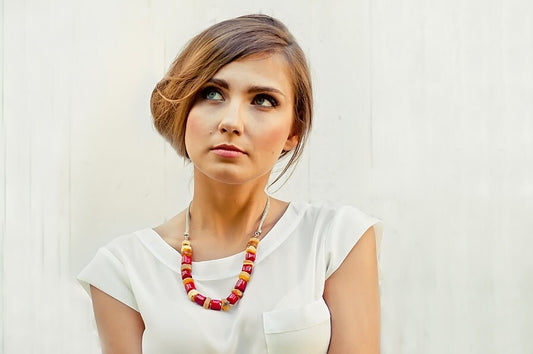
[
  {"x": 252, "y": 89},
  {"x": 259, "y": 89},
  {"x": 219, "y": 82}
]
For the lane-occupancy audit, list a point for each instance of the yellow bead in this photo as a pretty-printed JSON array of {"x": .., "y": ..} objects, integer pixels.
[
  {"x": 247, "y": 262},
  {"x": 186, "y": 250},
  {"x": 192, "y": 294},
  {"x": 254, "y": 241},
  {"x": 225, "y": 305},
  {"x": 237, "y": 292},
  {"x": 244, "y": 276},
  {"x": 188, "y": 280},
  {"x": 251, "y": 249},
  {"x": 185, "y": 243},
  {"x": 206, "y": 302}
]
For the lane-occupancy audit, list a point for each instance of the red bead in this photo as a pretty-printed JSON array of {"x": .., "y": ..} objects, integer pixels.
[
  {"x": 215, "y": 305},
  {"x": 186, "y": 273},
  {"x": 232, "y": 298},
  {"x": 250, "y": 256},
  {"x": 241, "y": 285},
  {"x": 186, "y": 259},
  {"x": 247, "y": 268},
  {"x": 199, "y": 299},
  {"x": 189, "y": 287}
]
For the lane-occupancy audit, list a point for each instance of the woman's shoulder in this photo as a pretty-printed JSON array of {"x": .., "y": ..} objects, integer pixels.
[
  {"x": 330, "y": 212},
  {"x": 128, "y": 243}
]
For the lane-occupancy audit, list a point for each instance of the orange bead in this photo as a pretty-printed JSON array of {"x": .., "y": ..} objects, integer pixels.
[
  {"x": 244, "y": 276},
  {"x": 225, "y": 305},
  {"x": 254, "y": 241},
  {"x": 251, "y": 249},
  {"x": 237, "y": 292}
]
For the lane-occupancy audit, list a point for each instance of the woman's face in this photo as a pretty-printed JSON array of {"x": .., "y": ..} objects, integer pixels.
[{"x": 242, "y": 120}]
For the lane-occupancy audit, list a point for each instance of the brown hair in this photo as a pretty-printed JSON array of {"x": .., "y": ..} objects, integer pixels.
[{"x": 220, "y": 44}]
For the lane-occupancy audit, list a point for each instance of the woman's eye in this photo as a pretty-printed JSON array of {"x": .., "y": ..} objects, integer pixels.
[
  {"x": 212, "y": 94},
  {"x": 265, "y": 101}
]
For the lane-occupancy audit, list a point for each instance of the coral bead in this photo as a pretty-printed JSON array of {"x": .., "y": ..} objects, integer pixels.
[
  {"x": 250, "y": 256},
  {"x": 232, "y": 298},
  {"x": 215, "y": 305},
  {"x": 241, "y": 284},
  {"x": 189, "y": 287},
  {"x": 247, "y": 268},
  {"x": 186, "y": 273},
  {"x": 199, "y": 299},
  {"x": 186, "y": 259}
]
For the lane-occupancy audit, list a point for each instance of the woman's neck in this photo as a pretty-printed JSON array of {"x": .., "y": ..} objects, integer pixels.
[{"x": 226, "y": 213}]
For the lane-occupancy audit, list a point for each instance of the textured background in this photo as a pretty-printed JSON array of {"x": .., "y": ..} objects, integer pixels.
[{"x": 424, "y": 118}]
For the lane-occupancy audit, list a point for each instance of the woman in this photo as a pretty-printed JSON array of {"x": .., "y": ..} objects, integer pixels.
[{"x": 239, "y": 271}]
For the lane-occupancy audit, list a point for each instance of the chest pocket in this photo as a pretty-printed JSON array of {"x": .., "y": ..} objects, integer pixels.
[{"x": 305, "y": 329}]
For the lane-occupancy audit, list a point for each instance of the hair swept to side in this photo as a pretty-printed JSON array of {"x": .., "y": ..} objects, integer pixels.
[{"x": 218, "y": 45}]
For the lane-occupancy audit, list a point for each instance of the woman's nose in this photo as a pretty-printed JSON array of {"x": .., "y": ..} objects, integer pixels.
[{"x": 232, "y": 119}]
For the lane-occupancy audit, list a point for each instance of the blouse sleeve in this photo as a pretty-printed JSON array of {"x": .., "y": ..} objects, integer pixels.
[
  {"x": 345, "y": 230},
  {"x": 107, "y": 273}
]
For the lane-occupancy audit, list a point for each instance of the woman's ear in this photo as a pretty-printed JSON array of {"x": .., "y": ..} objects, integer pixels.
[{"x": 291, "y": 142}]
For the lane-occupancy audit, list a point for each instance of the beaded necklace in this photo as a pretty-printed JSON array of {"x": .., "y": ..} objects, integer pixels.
[{"x": 244, "y": 276}]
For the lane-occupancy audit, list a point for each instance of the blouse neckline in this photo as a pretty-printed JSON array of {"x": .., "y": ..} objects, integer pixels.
[{"x": 225, "y": 267}]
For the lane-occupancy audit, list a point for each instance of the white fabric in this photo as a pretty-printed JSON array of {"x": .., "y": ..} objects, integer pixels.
[{"x": 282, "y": 310}]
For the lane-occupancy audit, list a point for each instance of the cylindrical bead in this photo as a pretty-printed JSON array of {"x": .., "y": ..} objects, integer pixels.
[
  {"x": 241, "y": 284},
  {"x": 250, "y": 256},
  {"x": 247, "y": 268},
  {"x": 189, "y": 287},
  {"x": 215, "y": 305},
  {"x": 186, "y": 259},
  {"x": 199, "y": 299},
  {"x": 244, "y": 276},
  {"x": 232, "y": 298},
  {"x": 186, "y": 273}
]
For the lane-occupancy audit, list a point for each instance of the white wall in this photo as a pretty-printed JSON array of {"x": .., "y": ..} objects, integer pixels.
[{"x": 424, "y": 118}]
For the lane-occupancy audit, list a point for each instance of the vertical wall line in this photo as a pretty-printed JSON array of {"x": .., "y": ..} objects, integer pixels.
[
  {"x": 371, "y": 80},
  {"x": 4, "y": 176}
]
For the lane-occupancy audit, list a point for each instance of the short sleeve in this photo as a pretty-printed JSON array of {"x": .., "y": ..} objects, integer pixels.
[
  {"x": 107, "y": 273},
  {"x": 346, "y": 228}
]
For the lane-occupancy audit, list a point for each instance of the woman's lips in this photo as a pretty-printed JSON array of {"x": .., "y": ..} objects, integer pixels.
[{"x": 225, "y": 150}]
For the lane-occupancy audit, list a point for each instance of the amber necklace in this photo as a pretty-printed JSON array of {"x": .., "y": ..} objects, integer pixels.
[{"x": 244, "y": 276}]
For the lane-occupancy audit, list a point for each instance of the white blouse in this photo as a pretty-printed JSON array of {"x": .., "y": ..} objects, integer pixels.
[{"x": 282, "y": 310}]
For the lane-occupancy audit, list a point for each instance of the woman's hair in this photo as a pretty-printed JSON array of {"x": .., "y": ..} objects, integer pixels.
[{"x": 220, "y": 44}]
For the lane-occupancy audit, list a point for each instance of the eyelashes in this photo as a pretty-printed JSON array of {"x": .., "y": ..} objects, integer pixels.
[{"x": 212, "y": 93}]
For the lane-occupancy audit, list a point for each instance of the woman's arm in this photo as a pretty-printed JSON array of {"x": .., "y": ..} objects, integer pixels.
[
  {"x": 352, "y": 295},
  {"x": 119, "y": 326}
]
